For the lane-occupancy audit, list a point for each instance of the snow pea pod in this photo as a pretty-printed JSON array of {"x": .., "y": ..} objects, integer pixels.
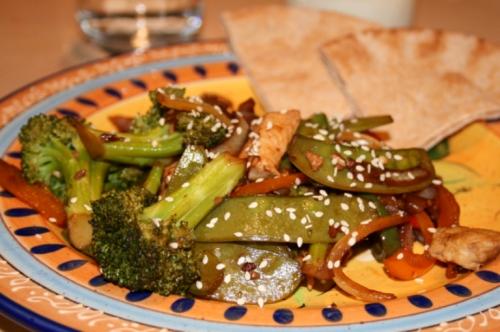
[
  {"x": 361, "y": 169},
  {"x": 192, "y": 160},
  {"x": 252, "y": 273},
  {"x": 283, "y": 219}
]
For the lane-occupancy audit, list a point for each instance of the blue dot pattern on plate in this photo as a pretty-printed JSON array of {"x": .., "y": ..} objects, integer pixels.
[
  {"x": 20, "y": 212},
  {"x": 46, "y": 248},
  {"x": 31, "y": 231},
  {"x": 233, "y": 67},
  {"x": 68, "y": 112},
  {"x": 235, "y": 312},
  {"x": 139, "y": 83},
  {"x": 169, "y": 75},
  {"x": 182, "y": 305},
  {"x": 283, "y": 316},
  {"x": 200, "y": 70},
  {"x": 98, "y": 281},
  {"x": 15, "y": 154},
  {"x": 376, "y": 309},
  {"x": 6, "y": 194},
  {"x": 136, "y": 296},
  {"x": 420, "y": 301},
  {"x": 86, "y": 101},
  {"x": 332, "y": 314},
  {"x": 113, "y": 92},
  {"x": 458, "y": 290},
  {"x": 489, "y": 276},
  {"x": 71, "y": 265}
]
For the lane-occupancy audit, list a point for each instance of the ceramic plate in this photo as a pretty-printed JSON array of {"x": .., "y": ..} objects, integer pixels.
[{"x": 47, "y": 285}]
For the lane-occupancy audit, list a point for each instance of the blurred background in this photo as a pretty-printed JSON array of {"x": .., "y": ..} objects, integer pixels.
[{"x": 41, "y": 37}]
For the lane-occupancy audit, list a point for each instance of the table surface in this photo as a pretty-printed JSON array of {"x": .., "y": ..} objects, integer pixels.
[{"x": 41, "y": 37}]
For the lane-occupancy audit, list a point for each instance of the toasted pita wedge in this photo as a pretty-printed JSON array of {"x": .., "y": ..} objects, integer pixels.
[
  {"x": 432, "y": 83},
  {"x": 278, "y": 46}
]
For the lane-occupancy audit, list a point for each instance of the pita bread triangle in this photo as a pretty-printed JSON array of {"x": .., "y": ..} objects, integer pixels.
[
  {"x": 433, "y": 83},
  {"x": 279, "y": 48}
]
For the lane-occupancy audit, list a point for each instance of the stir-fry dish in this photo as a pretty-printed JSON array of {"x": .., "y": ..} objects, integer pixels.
[{"x": 199, "y": 196}]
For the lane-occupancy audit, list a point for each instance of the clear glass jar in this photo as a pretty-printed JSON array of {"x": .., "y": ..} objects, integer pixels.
[{"x": 124, "y": 25}]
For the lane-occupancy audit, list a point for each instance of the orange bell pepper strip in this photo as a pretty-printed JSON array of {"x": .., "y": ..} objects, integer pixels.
[
  {"x": 35, "y": 195},
  {"x": 268, "y": 185},
  {"x": 406, "y": 265},
  {"x": 449, "y": 210},
  {"x": 423, "y": 222}
]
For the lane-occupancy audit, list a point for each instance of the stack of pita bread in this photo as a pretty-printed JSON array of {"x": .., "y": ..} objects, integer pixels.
[{"x": 431, "y": 82}]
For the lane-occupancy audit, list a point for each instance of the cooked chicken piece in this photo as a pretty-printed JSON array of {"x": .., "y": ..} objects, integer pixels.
[
  {"x": 269, "y": 142},
  {"x": 467, "y": 247}
]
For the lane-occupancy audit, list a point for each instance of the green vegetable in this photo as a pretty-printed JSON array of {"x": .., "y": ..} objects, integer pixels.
[
  {"x": 54, "y": 155},
  {"x": 122, "y": 178},
  {"x": 274, "y": 280},
  {"x": 440, "y": 150},
  {"x": 201, "y": 129},
  {"x": 153, "y": 180},
  {"x": 282, "y": 219},
  {"x": 336, "y": 166},
  {"x": 192, "y": 160},
  {"x": 145, "y": 246}
]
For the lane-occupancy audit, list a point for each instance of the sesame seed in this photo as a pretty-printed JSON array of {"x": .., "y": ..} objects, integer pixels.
[
  {"x": 352, "y": 185},
  {"x": 247, "y": 275},
  {"x": 360, "y": 177},
  {"x": 318, "y": 214},
  {"x": 323, "y": 192},
  {"x": 205, "y": 259},
  {"x": 263, "y": 264},
  {"x": 269, "y": 213},
  {"x": 326, "y": 202},
  {"x": 292, "y": 216},
  {"x": 303, "y": 221},
  {"x": 253, "y": 205},
  {"x": 241, "y": 260},
  {"x": 185, "y": 185},
  {"x": 52, "y": 219},
  {"x": 398, "y": 157},
  {"x": 350, "y": 176},
  {"x": 431, "y": 230},
  {"x": 319, "y": 137},
  {"x": 308, "y": 226},
  {"x": 437, "y": 182},
  {"x": 173, "y": 245},
  {"x": 227, "y": 215},
  {"x": 372, "y": 205},
  {"x": 306, "y": 258},
  {"x": 352, "y": 241},
  {"x": 73, "y": 200},
  {"x": 366, "y": 222},
  {"x": 154, "y": 143},
  {"x": 220, "y": 266},
  {"x": 290, "y": 209},
  {"x": 260, "y": 302},
  {"x": 411, "y": 176},
  {"x": 227, "y": 278},
  {"x": 419, "y": 280},
  {"x": 87, "y": 207},
  {"x": 300, "y": 241},
  {"x": 238, "y": 234},
  {"x": 199, "y": 284},
  {"x": 336, "y": 264},
  {"x": 331, "y": 222},
  {"x": 269, "y": 125},
  {"x": 368, "y": 185},
  {"x": 344, "y": 230},
  {"x": 344, "y": 206},
  {"x": 348, "y": 195},
  {"x": 241, "y": 301},
  {"x": 329, "y": 265},
  {"x": 286, "y": 237},
  {"x": 169, "y": 199},
  {"x": 277, "y": 210},
  {"x": 210, "y": 225},
  {"x": 330, "y": 178},
  {"x": 400, "y": 256},
  {"x": 261, "y": 288}
]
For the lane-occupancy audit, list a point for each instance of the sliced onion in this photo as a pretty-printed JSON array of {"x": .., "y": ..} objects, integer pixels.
[
  {"x": 428, "y": 193},
  {"x": 234, "y": 144}
]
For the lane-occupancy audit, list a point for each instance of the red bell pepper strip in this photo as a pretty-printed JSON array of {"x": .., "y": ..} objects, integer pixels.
[
  {"x": 423, "y": 222},
  {"x": 406, "y": 265},
  {"x": 35, "y": 195},
  {"x": 449, "y": 210},
  {"x": 268, "y": 185}
]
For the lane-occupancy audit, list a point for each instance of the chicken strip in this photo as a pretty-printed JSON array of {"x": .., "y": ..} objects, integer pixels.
[
  {"x": 268, "y": 143},
  {"x": 468, "y": 247}
]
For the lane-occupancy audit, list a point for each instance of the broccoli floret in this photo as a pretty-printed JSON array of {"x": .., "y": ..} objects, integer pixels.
[
  {"x": 151, "y": 119},
  {"x": 201, "y": 129},
  {"x": 143, "y": 245},
  {"x": 123, "y": 177},
  {"x": 54, "y": 155}
]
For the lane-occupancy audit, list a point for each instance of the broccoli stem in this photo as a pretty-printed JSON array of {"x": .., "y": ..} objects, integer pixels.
[
  {"x": 153, "y": 181},
  {"x": 196, "y": 198},
  {"x": 98, "y": 171},
  {"x": 167, "y": 147},
  {"x": 135, "y": 161},
  {"x": 318, "y": 252}
]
